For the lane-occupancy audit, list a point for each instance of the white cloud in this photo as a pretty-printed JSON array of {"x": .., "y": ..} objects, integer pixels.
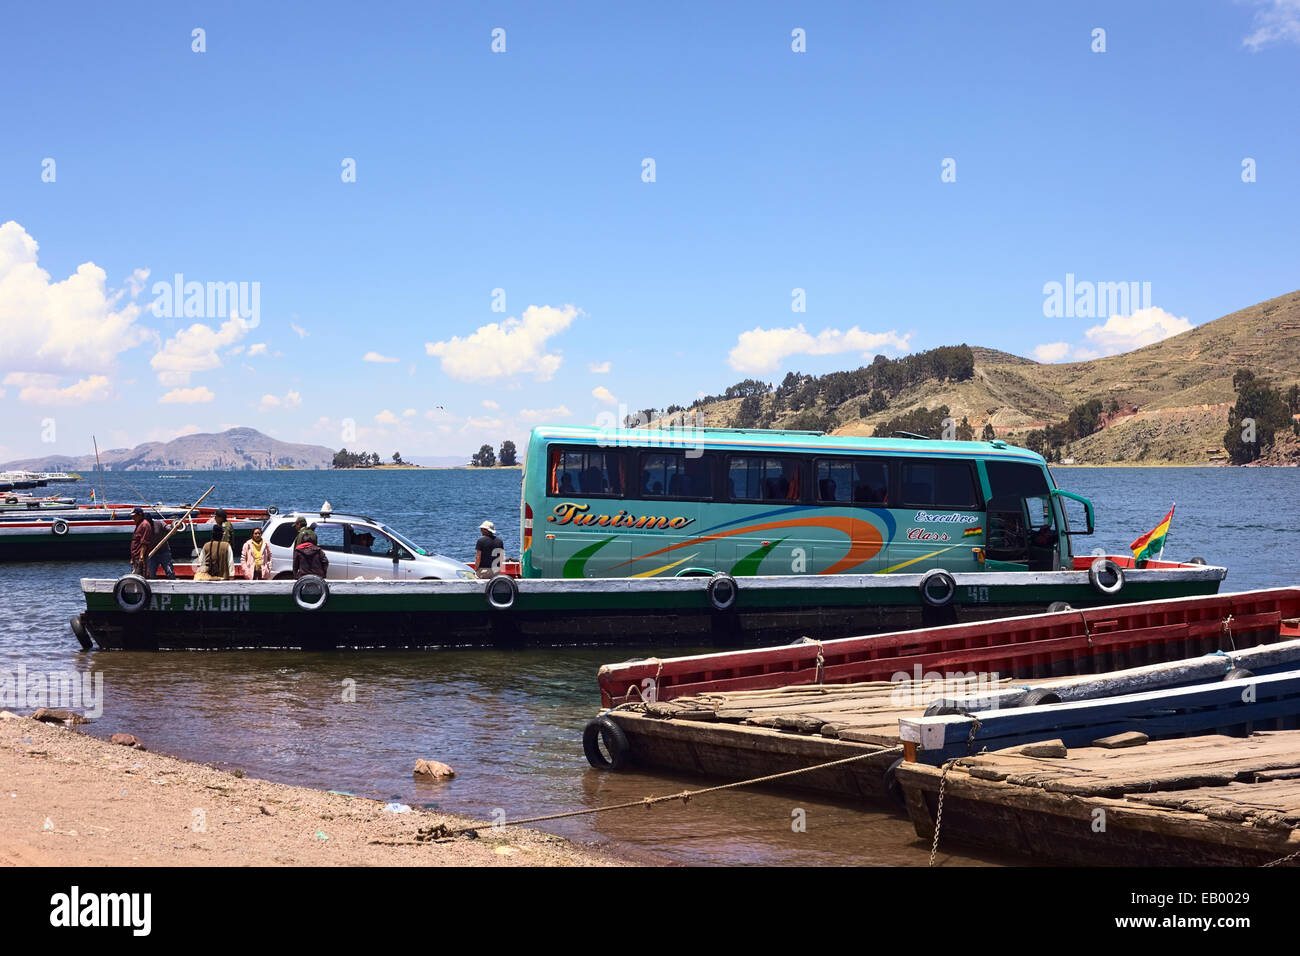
[
  {"x": 257, "y": 349},
  {"x": 763, "y": 350},
  {"x": 376, "y": 357},
  {"x": 489, "y": 404},
  {"x": 514, "y": 347},
  {"x": 195, "y": 350},
  {"x": 74, "y": 325},
  {"x": 187, "y": 396},
  {"x": 437, "y": 413},
  {"x": 1276, "y": 21},
  {"x": 386, "y": 418},
  {"x": 544, "y": 414},
  {"x": 1051, "y": 351},
  {"x": 599, "y": 368},
  {"x": 1123, "y": 333},
  {"x": 1119, "y": 333},
  {"x": 299, "y": 330},
  {"x": 290, "y": 400},
  {"x": 409, "y": 413},
  {"x": 605, "y": 395},
  {"x": 40, "y": 391},
  {"x": 495, "y": 424}
]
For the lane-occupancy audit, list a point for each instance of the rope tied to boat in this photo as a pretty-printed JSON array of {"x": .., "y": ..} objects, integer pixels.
[
  {"x": 443, "y": 832},
  {"x": 1227, "y": 631},
  {"x": 943, "y": 780}
]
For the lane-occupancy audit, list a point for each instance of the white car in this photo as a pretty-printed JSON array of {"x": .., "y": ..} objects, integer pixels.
[{"x": 359, "y": 547}]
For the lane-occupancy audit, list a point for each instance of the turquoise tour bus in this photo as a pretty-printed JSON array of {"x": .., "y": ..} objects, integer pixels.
[{"x": 643, "y": 503}]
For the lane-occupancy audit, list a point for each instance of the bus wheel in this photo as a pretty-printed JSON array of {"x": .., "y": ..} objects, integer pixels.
[
  {"x": 721, "y": 591},
  {"x": 938, "y": 588},
  {"x": 1106, "y": 576},
  {"x": 603, "y": 730}
]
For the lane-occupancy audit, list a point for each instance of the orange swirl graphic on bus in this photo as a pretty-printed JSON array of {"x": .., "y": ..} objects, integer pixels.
[{"x": 865, "y": 540}]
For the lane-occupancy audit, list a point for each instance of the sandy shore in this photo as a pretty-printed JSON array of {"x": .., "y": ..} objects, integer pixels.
[{"x": 69, "y": 799}]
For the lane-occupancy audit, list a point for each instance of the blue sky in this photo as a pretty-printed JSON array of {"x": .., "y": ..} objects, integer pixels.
[{"x": 523, "y": 171}]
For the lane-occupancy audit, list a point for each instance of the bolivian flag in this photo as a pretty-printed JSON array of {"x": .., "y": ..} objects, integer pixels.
[{"x": 1152, "y": 544}]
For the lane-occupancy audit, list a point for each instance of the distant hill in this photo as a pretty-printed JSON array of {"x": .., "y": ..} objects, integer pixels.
[
  {"x": 237, "y": 449},
  {"x": 1174, "y": 396}
]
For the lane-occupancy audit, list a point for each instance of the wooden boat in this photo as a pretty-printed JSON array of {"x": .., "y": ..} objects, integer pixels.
[
  {"x": 745, "y": 714},
  {"x": 18, "y": 502},
  {"x": 1208, "y": 800},
  {"x": 100, "y": 531},
  {"x": 550, "y": 612}
]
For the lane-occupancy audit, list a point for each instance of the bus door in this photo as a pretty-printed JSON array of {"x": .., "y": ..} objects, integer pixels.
[{"x": 1023, "y": 526}]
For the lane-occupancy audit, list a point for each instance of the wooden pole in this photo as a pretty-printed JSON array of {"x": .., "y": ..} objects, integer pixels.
[{"x": 180, "y": 521}]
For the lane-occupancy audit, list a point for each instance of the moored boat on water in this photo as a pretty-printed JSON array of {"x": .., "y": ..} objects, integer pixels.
[{"x": 80, "y": 532}]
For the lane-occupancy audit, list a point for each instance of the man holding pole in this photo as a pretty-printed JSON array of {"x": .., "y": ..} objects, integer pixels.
[
  {"x": 141, "y": 540},
  {"x": 161, "y": 556}
]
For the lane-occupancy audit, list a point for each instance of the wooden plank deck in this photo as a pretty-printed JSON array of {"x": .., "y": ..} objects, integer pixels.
[{"x": 1210, "y": 800}]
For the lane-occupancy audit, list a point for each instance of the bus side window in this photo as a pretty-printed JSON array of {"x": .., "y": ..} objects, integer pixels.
[
  {"x": 582, "y": 472},
  {"x": 938, "y": 484}
]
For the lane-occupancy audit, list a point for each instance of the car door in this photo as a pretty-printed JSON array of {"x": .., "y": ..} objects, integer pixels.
[
  {"x": 330, "y": 538},
  {"x": 372, "y": 554}
]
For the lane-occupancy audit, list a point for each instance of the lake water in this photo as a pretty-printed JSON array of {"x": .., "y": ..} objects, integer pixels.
[{"x": 511, "y": 723}]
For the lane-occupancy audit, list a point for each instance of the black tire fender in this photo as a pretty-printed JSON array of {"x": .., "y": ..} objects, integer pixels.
[
  {"x": 1200, "y": 561},
  {"x": 942, "y": 578},
  {"x": 79, "y": 630},
  {"x": 59, "y": 527},
  {"x": 1103, "y": 566},
  {"x": 605, "y": 729},
  {"x": 128, "y": 583},
  {"x": 1239, "y": 673},
  {"x": 1056, "y": 607},
  {"x": 272, "y": 510},
  {"x": 501, "y": 592},
  {"x": 1039, "y": 697},
  {"x": 892, "y": 787},
  {"x": 727, "y": 585},
  {"x": 306, "y": 581}
]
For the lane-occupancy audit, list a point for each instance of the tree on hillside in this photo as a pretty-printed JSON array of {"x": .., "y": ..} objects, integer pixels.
[
  {"x": 508, "y": 454},
  {"x": 1260, "y": 413},
  {"x": 485, "y": 457},
  {"x": 397, "y": 458},
  {"x": 747, "y": 415},
  {"x": 988, "y": 434}
]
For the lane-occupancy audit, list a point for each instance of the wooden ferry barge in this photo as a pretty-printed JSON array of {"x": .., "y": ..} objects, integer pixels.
[{"x": 685, "y": 611}]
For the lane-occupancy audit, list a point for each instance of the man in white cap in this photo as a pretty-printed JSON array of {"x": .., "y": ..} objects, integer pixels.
[{"x": 489, "y": 552}]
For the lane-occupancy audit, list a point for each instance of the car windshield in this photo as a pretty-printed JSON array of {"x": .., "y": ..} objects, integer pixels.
[{"x": 393, "y": 534}]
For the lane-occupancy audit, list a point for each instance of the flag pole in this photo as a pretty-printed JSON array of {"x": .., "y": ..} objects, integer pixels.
[{"x": 1165, "y": 539}]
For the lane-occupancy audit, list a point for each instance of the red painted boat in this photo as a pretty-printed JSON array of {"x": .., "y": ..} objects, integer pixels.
[{"x": 1039, "y": 645}]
